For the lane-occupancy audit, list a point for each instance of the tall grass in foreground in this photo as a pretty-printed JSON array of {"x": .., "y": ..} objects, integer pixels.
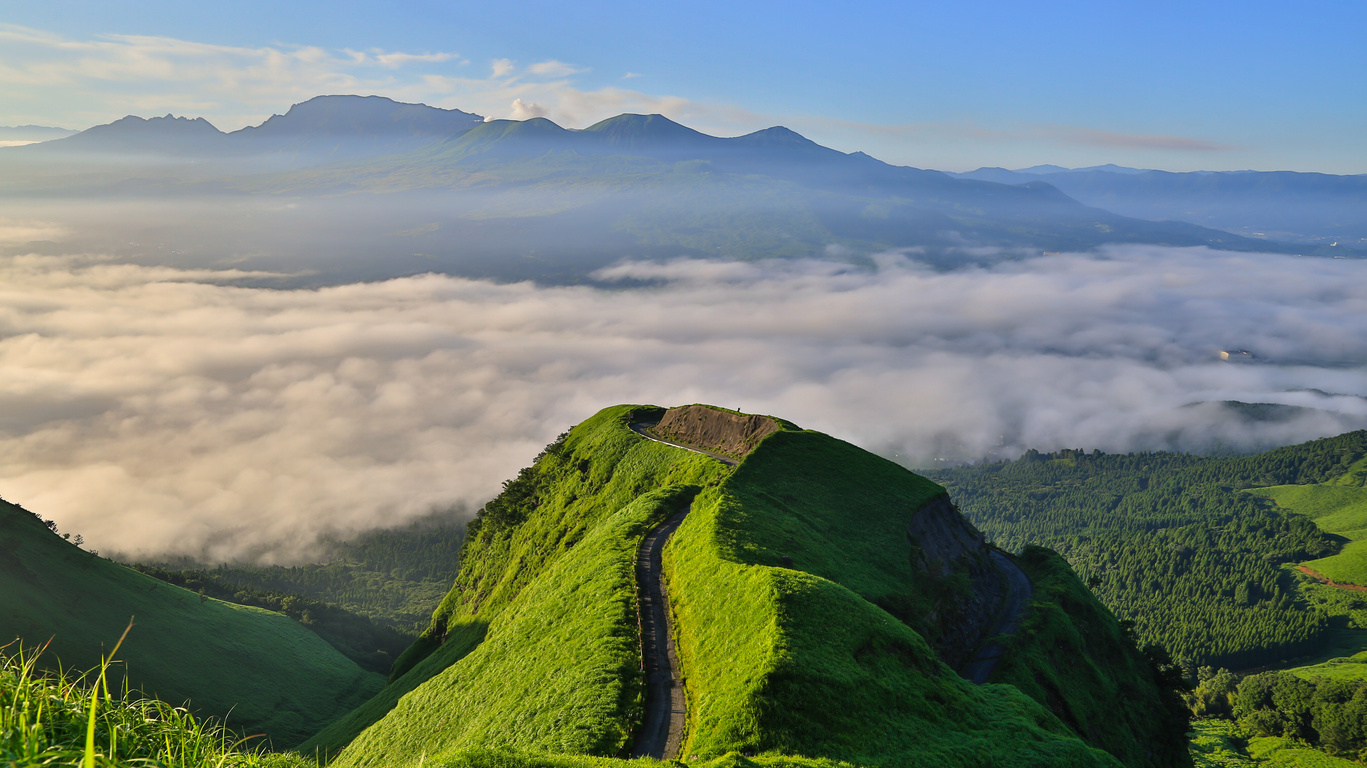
[{"x": 50, "y": 719}]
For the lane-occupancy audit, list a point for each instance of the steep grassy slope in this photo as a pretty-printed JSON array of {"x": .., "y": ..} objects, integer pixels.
[
  {"x": 815, "y": 532},
  {"x": 273, "y": 675},
  {"x": 559, "y": 671},
  {"x": 588, "y": 476},
  {"x": 783, "y": 661},
  {"x": 774, "y": 578}
]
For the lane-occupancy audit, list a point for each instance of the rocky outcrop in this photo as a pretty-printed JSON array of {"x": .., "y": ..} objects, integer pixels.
[
  {"x": 955, "y": 559},
  {"x": 724, "y": 432}
]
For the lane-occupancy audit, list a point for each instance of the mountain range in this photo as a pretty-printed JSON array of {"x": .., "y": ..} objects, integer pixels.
[{"x": 385, "y": 189}]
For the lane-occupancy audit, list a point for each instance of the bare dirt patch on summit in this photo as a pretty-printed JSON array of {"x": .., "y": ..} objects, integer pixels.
[{"x": 731, "y": 434}]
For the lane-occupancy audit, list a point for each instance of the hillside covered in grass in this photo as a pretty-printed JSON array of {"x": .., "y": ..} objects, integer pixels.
[
  {"x": 264, "y": 672},
  {"x": 816, "y": 591}
]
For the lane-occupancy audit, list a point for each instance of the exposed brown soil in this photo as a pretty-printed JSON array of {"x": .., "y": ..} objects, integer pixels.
[
  {"x": 727, "y": 433},
  {"x": 1321, "y": 578}
]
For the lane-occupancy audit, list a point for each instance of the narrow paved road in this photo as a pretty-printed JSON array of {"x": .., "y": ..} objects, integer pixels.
[
  {"x": 1018, "y": 583},
  {"x": 662, "y": 728}
]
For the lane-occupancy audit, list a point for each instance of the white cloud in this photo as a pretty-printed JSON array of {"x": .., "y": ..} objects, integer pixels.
[
  {"x": 553, "y": 68},
  {"x": 526, "y": 110},
  {"x": 155, "y": 409},
  {"x": 42, "y": 75},
  {"x": 400, "y": 59},
  {"x": 50, "y": 79}
]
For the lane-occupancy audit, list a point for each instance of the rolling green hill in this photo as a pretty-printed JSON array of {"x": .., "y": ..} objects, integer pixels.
[
  {"x": 816, "y": 592},
  {"x": 262, "y": 671}
]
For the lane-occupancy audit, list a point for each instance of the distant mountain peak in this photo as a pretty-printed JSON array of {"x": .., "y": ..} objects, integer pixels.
[
  {"x": 132, "y": 133},
  {"x": 631, "y": 131},
  {"x": 351, "y": 115},
  {"x": 776, "y": 135}
]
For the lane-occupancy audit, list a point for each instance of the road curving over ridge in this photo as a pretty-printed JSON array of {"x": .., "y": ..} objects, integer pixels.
[{"x": 666, "y": 712}]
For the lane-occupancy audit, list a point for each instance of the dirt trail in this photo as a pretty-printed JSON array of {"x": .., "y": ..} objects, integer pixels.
[
  {"x": 662, "y": 728},
  {"x": 982, "y": 665},
  {"x": 1321, "y": 578}
]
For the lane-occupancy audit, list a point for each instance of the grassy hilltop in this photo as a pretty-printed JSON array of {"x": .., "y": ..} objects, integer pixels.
[
  {"x": 804, "y": 616},
  {"x": 263, "y": 671}
]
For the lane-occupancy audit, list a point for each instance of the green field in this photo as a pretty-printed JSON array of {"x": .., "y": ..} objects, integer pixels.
[
  {"x": 265, "y": 672},
  {"x": 1337, "y": 508},
  {"x": 1343, "y": 668}
]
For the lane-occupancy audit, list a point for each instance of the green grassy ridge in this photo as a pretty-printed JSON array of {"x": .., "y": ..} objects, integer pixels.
[
  {"x": 1071, "y": 655},
  {"x": 262, "y": 670},
  {"x": 782, "y": 661},
  {"x": 588, "y": 475},
  {"x": 1343, "y": 668},
  {"x": 559, "y": 670},
  {"x": 784, "y": 664}
]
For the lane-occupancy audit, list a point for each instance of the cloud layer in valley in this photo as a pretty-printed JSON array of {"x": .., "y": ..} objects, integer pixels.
[{"x": 157, "y": 410}]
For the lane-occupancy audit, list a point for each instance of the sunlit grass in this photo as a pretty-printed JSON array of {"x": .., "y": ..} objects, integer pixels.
[{"x": 52, "y": 719}]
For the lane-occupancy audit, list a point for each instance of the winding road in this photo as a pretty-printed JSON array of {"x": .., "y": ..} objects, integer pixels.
[
  {"x": 1018, "y": 583},
  {"x": 662, "y": 728}
]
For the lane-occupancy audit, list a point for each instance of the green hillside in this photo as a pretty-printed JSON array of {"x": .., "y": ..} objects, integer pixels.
[
  {"x": 263, "y": 671},
  {"x": 1338, "y": 506},
  {"x": 776, "y": 576}
]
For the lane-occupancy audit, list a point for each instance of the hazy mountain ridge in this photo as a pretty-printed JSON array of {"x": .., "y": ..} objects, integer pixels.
[
  {"x": 352, "y": 188},
  {"x": 1310, "y": 208}
]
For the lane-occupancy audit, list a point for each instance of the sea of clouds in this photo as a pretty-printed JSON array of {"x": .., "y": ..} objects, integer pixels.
[{"x": 159, "y": 410}]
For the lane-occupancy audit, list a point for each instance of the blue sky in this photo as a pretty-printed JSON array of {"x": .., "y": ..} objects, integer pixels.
[{"x": 1179, "y": 86}]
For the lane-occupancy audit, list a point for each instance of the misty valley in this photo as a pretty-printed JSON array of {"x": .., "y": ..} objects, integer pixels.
[{"x": 381, "y": 434}]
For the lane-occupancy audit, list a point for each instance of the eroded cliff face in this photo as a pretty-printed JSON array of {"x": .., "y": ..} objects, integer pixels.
[
  {"x": 731, "y": 434},
  {"x": 968, "y": 587}
]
